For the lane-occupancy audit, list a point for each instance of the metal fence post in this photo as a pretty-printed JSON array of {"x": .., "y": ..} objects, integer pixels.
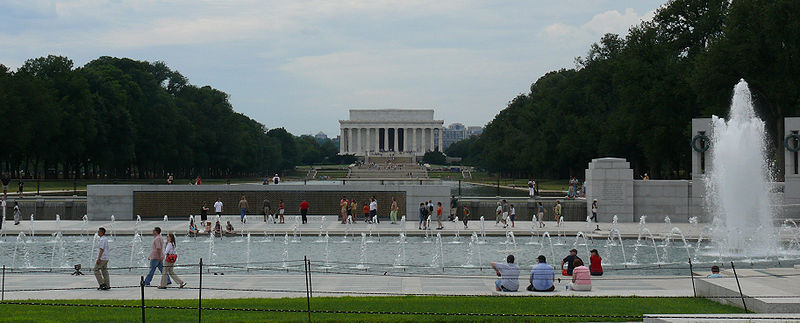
[
  {"x": 141, "y": 286},
  {"x": 691, "y": 273},
  {"x": 200, "y": 294},
  {"x": 740, "y": 288},
  {"x": 3, "y": 297},
  {"x": 308, "y": 291}
]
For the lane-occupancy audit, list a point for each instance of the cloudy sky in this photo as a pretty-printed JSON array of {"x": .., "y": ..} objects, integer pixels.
[{"x": 302, "y": 64}]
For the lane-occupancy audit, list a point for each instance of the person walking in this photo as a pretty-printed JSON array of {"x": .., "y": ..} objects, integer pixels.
[
  {"x": 506, "y": 211},
  {"x": 530, "y": 188},
  {"x": 6, "y": 180},
  {"x": 21, "y": 186},
  {"x": 540, "y": 214},
  {"x": 498, "y": 212},
  {"x": 218, "y": 206},
  {"x": 204, "y": 212},
  {"x": 393, "y": 212},
  {"x": 439, "y": 215},
  {"x": 17, "y": 213},
  {"x": 365, "y": 209},
  {"x": 512, "y": 215},
  {"x": 373, "y": 210},
  {"x": 169, "y": 263},
  {"x": 304, "y": 211},
  {"x": 101, "y": 264},
  {"x": 344, "y": 205},
  {"x": 243, "y": 209},
  {"x": 281, "y": 210},
  {"x": 594, "y": 211},
  {"x": 557, "y": 212},
  {"x": 156, "y": 256},
  {"x": 422, "y": 211},
  {"x": 266, "y": 207},
  {"x": 453, "y": 207},
  {"x": 466, "y": 217}
]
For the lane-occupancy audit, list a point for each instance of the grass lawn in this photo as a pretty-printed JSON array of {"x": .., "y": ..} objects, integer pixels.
[{"x": 621, "y": 306}]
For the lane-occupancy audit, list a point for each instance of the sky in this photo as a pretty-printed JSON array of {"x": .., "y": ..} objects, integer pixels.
[{"x": 303, "y": 64}]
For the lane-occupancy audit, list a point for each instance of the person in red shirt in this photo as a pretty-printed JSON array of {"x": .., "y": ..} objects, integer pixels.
[
  {"x": 366, "y": 213},
  {"x": 281, "y": 210},
  {"x": 304, "y": 211},
  {"x": 595, "y": 267}
]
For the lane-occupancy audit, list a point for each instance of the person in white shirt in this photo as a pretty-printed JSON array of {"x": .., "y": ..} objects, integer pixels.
[
  {"x": 276, "y": 179},
  {"x": 373, "y": 210},
  {"x": 169, "y": 263},
  {"x": 218, "y": 206},
  {"x": 101, "y": 265}
]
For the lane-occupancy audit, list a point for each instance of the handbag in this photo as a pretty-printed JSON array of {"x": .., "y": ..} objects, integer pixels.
[{"x": 172, "y": 258}]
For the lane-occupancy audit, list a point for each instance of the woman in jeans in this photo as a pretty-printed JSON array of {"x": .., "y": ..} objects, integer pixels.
[{"x": 169, "y": 263}]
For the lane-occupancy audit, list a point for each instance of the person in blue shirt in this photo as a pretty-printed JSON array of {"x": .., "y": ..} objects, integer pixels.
[
  {"x": 714, "y": 272},
  {"x": 541, "y": 276},
  {"x": 508, "y": 273}
]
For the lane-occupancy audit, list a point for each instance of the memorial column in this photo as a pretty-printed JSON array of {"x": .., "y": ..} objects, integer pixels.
[
  {"x": 385, "y": 139},
  {"x": 350, "y": 140},
  {"x": 396, "y": 133},
  {"x": 341, "y": 140},
  {"x": 432, "y": 144},
  {"x": 441, "y": 141}
]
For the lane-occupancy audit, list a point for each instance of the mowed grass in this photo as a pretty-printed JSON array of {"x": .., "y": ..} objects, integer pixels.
[{"x": 603, "y": 307}]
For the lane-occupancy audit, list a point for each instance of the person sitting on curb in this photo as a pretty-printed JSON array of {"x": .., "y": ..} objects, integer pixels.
[
  {"x": 581, "y": 278},
  {"x": 541, "y": 276},
  {"x": 508, "y": 273},
  {"x": 714, "y": 272},
  {"x": 229, "y": 228}
]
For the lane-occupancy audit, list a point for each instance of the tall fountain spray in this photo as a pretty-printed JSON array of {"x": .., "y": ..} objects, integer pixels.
[{"x": 738, "y": 188}]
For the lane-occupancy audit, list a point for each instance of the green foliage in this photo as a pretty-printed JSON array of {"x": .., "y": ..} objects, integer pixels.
[
  {"x": 119, "y": 117},
  {"x": 553, "y": 305},
  {"x": 634, "y": 96},
  {"x": 434, "y": 157}
]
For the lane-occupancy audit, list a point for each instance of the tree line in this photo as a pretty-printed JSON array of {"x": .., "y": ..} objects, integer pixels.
[
  {"x": 634, "y": 96},
  {"x": 122, "y": 118}
]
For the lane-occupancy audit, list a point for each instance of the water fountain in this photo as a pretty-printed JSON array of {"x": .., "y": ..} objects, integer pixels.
[
  {"x": 111, "y": 229},
  {"x": 166, "y": 220},
  {"x": 33, "y": 232},
  {"x": 212, "y": 255},
  {"x": 403, "y": 224},
  {"x": 90, "y": 261},
  {"x": 247, "y": 266},
  {"x": 23, "y": 242},
  {"x": 296, "y": 235},
  {"x": 327, "y": 264},
  {"x": 483, "y": 231},
  {"x": 362, "y": 259},
  {"x": 738, "y": 190},
  {"x": 458, "y": 233},
  {"x": 285, "y": 250},
  {"x": 585, "y": 243},
  {"x": 642, "y": 231},
  {"x": 320, "y": 238},
  {"x": 85, "y": 227},
  {"x": 58, "y": 256},
  {"x": 400, "y": 259},
  {"x": 427, "y": 230},
  {"x": 346, "y": 231},
  {"x": 137, "y": 251},
  {"x": 436, "y": 260},
  {"x": 470, "y": 251},
  {"x": 560, "y": 240},
  {"x": 610, "y": 242}
]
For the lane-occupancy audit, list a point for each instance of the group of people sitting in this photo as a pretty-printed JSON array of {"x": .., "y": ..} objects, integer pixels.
[
  {"x": 206, "y": 228},
  {"x": 542, "y": 275}
]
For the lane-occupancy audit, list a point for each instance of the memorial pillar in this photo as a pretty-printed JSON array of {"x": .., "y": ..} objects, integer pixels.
[
  {"x": 414, "y": 139},
  {"x": 441, "y": 142},
  {"x": 394, "y": 148},
  {"x": 385, "y": 139},
  {"x": 350, "y": 140},
  {"x": 341, "y": 140},
  {"x": 366, "y": 138},
  {"x": 431, "y": 148}
]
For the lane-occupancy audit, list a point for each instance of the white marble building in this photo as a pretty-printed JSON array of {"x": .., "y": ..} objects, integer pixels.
[{"x": 397, "y": 132}]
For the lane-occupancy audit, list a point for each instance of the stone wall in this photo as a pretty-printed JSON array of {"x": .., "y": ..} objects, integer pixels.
[
  {"x": 154, "y": 201},
  {"x": 661, "y": 198},
  {"x": 46, "y": 209}
]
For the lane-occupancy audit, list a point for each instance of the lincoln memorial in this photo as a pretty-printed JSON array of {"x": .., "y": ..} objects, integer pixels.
[{"x": 390, "y": 132}]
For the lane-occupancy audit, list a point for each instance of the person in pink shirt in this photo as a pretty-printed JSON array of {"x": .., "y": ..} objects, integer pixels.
[
  {"x": 156, "y": 257},
  {"x": 581, "y": 278}
]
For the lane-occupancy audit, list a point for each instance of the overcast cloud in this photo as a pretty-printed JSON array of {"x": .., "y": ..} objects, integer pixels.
[{"x": 302, "y": 64}]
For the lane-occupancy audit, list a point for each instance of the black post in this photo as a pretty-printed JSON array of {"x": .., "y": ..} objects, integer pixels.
[
  {"x": 310, "y": 286},
  {"x": 691, "y": 273},
  {"x": 37, "y": 186},
  {"x": 141, "y": 286},
  {"x": 75, "y": 185},
  {"x": 3, "y": 293},
  {"x": 200, "y": 294},
  {"x": 308, "y": 293},
  {"x": 459, "y": 187},
  {"x": 740, "y": 288}
]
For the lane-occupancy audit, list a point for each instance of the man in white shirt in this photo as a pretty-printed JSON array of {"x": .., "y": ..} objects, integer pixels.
[
  {"x": 101, "y": 265},
  {"x": 373, "y": 210},
  {"x": 276, "y": 179},
  {"x": 218, "y": 206}
]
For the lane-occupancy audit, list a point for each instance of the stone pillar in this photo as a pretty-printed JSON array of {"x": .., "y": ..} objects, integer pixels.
[
  {"x": 350, "y": 145},
  {"x": 341, "y": 140},
  {"x": 367, "y": 140},
  {"x": 405, "y": 139},
  {"x": 377, "y": 139},
  {"x": 610, "y": 181},
  {"x": 441, "y": 141},
  {"x": 432, "y": 144},
  {"x": 386, "y": 139},
  {"x": 701, "y": 165},
  {"x": 395, "y": 140},
  {"x": 414, "y": 140}
]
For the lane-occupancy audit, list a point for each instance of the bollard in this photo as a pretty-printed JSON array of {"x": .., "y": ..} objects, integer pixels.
[
  {"x": 200, "y": 294},
  {"x": 3, "y": 293},
  {"x": 141, "y": 286},
  {"x": 691, "y": 273},
  {"x": 740, "y": 287},
  {"x": 459, "y": 188}
]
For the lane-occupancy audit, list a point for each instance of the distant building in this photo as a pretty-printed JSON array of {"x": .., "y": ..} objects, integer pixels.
[
  {"x": 474, "y": 131},
  {"x": 454, "y": 133},
  {"x": 321, "y": 136},
  {"x": 405, "y": 133}
]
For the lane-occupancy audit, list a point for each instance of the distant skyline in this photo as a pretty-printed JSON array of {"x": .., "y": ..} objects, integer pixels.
[{"x": 303, "y": 64}]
